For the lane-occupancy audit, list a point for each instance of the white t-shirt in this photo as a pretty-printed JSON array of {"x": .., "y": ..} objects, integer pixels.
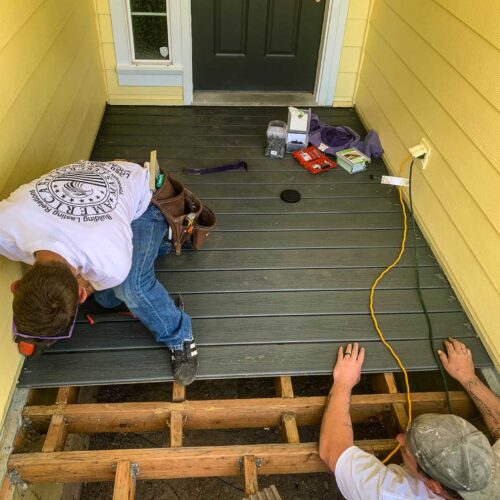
[
  {"x": 362, "y": 476},
  {"x": 82, "y": 212}
]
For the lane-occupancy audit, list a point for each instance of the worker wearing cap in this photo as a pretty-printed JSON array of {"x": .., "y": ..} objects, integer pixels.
[{"x": 444, "y": 455}]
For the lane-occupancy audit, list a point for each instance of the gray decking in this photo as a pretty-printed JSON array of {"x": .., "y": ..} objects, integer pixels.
[{"x": 277, "y": 287}]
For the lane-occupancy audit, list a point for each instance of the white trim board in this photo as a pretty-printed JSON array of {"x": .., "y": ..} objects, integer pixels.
[{"x": 330, "y": 50}]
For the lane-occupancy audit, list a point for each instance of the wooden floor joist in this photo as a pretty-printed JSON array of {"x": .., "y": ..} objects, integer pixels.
[
  {"x": 230, "y": 413},
  {"x": 124, "y": 481},
  {"x": 176, "y": 419},
  {"x": 171, "y": 463}
]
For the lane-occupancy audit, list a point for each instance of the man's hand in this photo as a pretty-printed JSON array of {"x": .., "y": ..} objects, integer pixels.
[
  {"x": 457, "y": 361},
  {"x": 347, "y": 371},
  {"x": 336, "y": 430}
]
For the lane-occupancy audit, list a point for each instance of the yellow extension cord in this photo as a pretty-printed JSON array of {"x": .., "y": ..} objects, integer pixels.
[{"x": 374, "y": 318}]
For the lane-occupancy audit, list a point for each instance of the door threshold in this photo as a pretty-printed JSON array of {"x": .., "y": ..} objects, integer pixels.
[{"x": 222, "y": 98}]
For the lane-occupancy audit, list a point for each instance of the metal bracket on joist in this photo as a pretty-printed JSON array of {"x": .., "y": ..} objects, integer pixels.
[
  {"x": 134, "y": 469},
  {"x": 258, "y": 462},
  {"x": 16, "y": 481}
]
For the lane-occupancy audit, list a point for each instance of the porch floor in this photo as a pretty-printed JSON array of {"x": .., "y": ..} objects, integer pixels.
[{"x": 277, "y": 287}]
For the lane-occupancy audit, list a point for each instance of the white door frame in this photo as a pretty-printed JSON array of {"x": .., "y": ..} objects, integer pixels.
[
  {"x": 328, "y": 59},
  {"x": 181, "y": 69},
  {"x": 330, "y": 50}
]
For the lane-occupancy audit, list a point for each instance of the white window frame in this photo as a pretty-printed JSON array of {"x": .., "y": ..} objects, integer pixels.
[
  {"x": 161, "y": 61},
  {"x": 176, "y": 71}
]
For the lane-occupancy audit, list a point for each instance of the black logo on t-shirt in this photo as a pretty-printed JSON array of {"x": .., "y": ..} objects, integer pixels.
[{"x": 83, "y": 189}]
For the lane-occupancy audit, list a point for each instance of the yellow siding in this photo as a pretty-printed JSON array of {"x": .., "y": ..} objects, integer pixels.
[
  {"x": 431, "y": 69},
  {"x": 350, "y": 57},
  {"x": 52, "y": 98},
  {"x": 125, "y": 94}
]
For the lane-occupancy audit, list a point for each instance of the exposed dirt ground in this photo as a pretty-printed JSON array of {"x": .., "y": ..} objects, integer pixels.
[{"x": 296, "y": 487}]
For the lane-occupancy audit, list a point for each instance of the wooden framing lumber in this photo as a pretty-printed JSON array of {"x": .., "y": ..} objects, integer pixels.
[
  {"x": 231, "y": 414},
  {"x": 169, "y": 463},
  {"x": 284, "y": 387},
  {"x": 385, "y": 382},
  {"x": 178, "y": 392},
  {"x": 250, "y": 473},
  {"x": 67, "y": 395},
  {"x": 6, "y": 489},
  {"x": 56, "y": 435},
  {"x": 289, "y": 428},
  {"x": 175, "y": 429},
  {"x": 124, "y": 481}
]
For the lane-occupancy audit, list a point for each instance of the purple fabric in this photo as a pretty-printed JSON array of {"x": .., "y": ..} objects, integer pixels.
[{"x": 339, "y": 138}]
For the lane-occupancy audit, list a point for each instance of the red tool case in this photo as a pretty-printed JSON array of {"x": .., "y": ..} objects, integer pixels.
[{"x": 314, "y": 160}]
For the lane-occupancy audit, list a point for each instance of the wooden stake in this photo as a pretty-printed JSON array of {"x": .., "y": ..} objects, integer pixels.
[
  {"x": 178, "y": 392},
  {"x": 124, "y": 481},
  {"x": 176, "y": 429},
  {"x": 250, "y": 472},
  {"x": 289, "y": 428},
  {"x": 284, "y": 387},
  {"x": 56, "y": 435}
]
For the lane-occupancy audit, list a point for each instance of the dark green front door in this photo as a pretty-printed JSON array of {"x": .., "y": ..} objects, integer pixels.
[{"x": 256, "y": 44}]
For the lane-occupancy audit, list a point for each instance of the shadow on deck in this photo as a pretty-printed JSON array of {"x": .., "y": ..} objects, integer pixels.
[{"x": 277, "y": 287}]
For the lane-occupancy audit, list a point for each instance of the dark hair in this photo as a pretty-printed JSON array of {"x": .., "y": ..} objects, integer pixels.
[
  {"x": 45, "y": 300},
  {"x": 452, "y": 493}
]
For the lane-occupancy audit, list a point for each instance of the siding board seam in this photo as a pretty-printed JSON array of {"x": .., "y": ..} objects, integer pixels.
[
  {"x": 433, "y": 49},
  {"x": 20, "y": 27},
  {"x": 34, "y": 129},
  {"x": 419, "y": 222},
  {"x": 490, "y": 220},
  {"x": 451, "y": 13},
  {"x": 75, "y": 98},
  {"x": 36, "y": 66}
]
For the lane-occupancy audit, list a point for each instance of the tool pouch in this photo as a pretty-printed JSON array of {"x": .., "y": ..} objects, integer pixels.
[
  {"x": 202, "y": 227},
  {"x": 175, "y": 202}
]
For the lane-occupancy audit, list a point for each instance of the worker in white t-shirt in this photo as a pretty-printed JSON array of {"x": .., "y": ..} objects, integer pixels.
[
  {"x": 90, "y": 227},
  {"x": 444, "y": 455}
]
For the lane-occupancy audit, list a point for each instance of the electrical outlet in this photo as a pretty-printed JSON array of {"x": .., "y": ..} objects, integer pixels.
[{"x": 421, "y": 152}]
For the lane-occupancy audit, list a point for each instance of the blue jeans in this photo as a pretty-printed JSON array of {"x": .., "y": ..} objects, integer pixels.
[{"x": 143, "y": 294}]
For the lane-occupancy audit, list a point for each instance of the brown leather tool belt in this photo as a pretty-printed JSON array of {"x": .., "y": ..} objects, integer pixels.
[{"x": 189, "y": 220}]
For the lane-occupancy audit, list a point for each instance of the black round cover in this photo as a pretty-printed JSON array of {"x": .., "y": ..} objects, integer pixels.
[{"x": 290, "y": 196}]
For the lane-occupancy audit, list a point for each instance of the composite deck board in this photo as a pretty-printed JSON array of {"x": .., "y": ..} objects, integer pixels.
[
  {"x": 309, "y": 222},
  {"x": 272, "y": 112},
  {"x": 277, "y": 287},
  {"x": 276, "y": 280},
  {"x": 217, "y": 260},
  {"x": 119, "y": 333},
  {"x": 255, "y": 240},
  {"x": 314, "y": 303},
  {"x": 316, "y": 192},
  {"x": 308, "y": 206},
  {"x": 219, "y": 362}
]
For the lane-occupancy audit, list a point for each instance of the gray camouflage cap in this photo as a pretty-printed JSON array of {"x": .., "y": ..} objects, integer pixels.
[{"x": 452, "y": 451}]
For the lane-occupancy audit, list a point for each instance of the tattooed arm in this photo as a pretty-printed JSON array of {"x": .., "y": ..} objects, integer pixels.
[
  {"x": 336, "y": 430},
  {"x": 457, "y": 361}
]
